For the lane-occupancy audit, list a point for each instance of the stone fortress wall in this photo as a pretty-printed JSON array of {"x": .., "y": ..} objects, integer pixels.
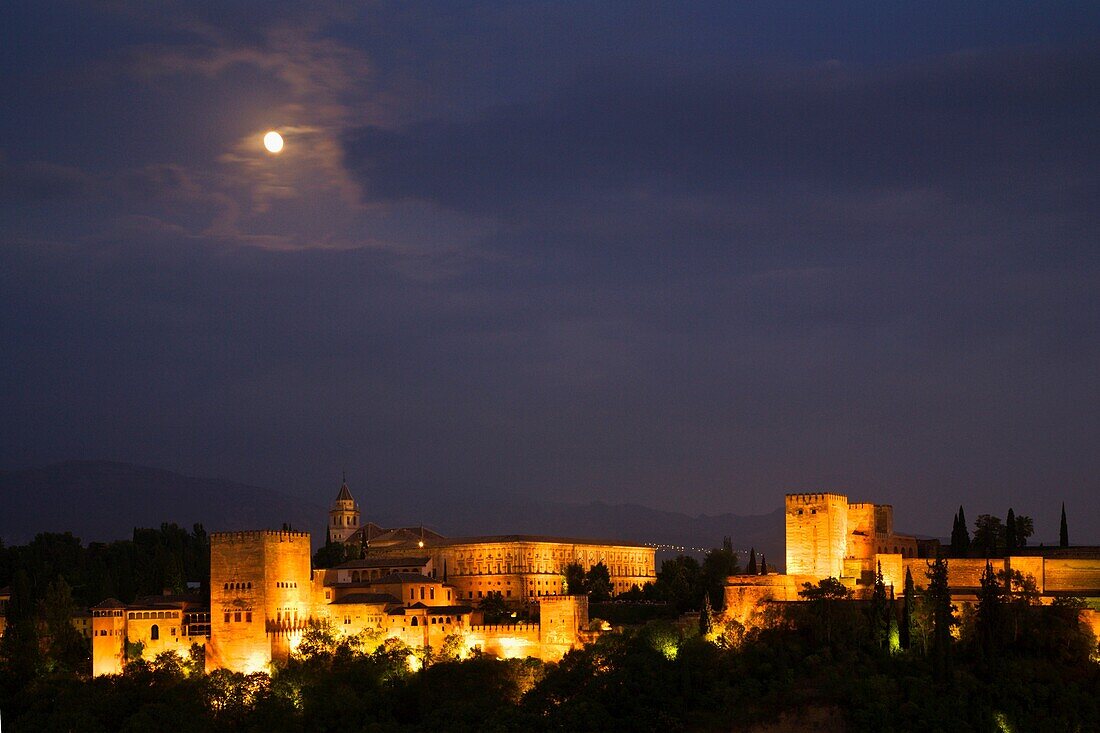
[{"x": 826, "y": 536}]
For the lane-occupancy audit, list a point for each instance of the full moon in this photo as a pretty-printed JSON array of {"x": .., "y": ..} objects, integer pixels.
[{"x": 273, "y": 141}]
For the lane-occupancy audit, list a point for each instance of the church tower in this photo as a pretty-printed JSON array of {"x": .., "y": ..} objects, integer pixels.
[{"x": 343, "y": 517}]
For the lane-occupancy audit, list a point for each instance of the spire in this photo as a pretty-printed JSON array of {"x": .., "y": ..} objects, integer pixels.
[{"x": 344, "y": 494}]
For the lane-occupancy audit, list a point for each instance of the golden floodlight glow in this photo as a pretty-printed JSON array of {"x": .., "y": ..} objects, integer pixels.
[{"x": 273, "y": 141}]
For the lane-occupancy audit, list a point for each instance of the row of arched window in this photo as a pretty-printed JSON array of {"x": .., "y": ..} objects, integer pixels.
[
  {"x": 238, "y": 586},
  {"x": 134, "y": 615}
]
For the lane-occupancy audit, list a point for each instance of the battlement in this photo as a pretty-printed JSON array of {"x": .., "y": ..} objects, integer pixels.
[
  {"x": 814, "y": 498},
  {"x": 254, "y": 534},
  {"x": 504, "y": 628}
]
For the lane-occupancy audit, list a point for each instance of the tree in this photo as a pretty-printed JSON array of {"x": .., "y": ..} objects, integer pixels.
[
  {"x": 598, "y": 581},
  {"x": 1063, "y": 530},
  {"x": 67, "y": 649},
  {"x": 318, "y": 639},
  {"x": 1024, "y": 529},
  {"x": 706, "y": 618},
  {"x": 763, "y": 565},
  {"x": 1010, "y": 532},
  {"x": 942, "y": 616},
  {"x": 331, "y": 554},
  {"x": 680, "y": 583},
  {"x": 750, "y": 569},
  {"x": 823, "y": 598},
  {"x": 989, "y": 534},
  {"x": 989, "y": 620},
  {"x": 964, "y": 533},
  {"x": 495, "y": 609},
  {"x": 575, "y": 583},
  {"x": 878, "y": 611},
  {"x": 906, "y": 631},
  {"x": 718, "y": 565},
  {"x": 19, "y": 645}
]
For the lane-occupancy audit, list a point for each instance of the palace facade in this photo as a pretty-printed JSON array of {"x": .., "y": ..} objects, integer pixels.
[
  {"x": 521, "y": 568},
  {"x": 411, "y": 585}
]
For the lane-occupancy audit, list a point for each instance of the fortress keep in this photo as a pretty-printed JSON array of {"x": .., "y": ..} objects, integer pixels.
[{"x": 829, "y": 537}]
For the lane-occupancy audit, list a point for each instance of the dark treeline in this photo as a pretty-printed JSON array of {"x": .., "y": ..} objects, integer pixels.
[
  {"x": 993, "y": 537},
  {"x": 153, "y": 561}
]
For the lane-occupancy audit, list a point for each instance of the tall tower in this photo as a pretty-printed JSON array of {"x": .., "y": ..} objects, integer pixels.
[
  {"x": 817, "y": 534},
  {"x": 343, "y": 517}
]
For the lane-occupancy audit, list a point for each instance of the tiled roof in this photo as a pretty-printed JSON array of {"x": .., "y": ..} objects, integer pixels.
[
  {"x": 504, "y": 538},
  {"x": 386, "y": 562},
  {"x": 365, "y": 598}
]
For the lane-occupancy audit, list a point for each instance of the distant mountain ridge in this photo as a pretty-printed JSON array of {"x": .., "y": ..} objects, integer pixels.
[{"x": 103, "y": 500}]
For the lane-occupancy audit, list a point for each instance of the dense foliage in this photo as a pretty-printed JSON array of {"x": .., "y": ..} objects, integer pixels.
[{"x": 153, "y": 561}]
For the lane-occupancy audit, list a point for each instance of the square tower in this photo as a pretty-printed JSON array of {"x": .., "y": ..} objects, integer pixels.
[
  {"x": 817, "y": 534},
  {"x": 259, "y": 589}
]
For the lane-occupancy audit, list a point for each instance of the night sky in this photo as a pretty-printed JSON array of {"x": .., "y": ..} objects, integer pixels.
[{"x": 688, "y": 255}]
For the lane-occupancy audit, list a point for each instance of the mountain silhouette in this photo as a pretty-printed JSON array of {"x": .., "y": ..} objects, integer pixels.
[{"x": 103, "y": 500}]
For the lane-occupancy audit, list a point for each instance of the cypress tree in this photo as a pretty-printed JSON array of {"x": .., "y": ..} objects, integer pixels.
[
  {"x": 706, "y": 617},
  {"x": 1010, "y": 532},
  {"x": 904, "y": 634},
  {"x": 750, "y": 569},
  {"x": 989, "y": 622},
  {"x": 943, "y": 617},
  {"x": 1063, "y": 532},
  {"x": 964, "y": 533},
  {"x": 880, "y": 626},
  {"x": 763, "y": 565}
]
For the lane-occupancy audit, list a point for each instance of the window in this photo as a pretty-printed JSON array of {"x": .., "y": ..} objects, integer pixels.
[
  {"x": 154, "y": 632},
  {"x": 227, "y": 617},
  {"x": 421, "y": 592},
  {"x": 173, "y": 631},
  {"x": 414, "y": 621},
  {"x": 431, "y": 593},
  {"x": 237, "y": 616},
  {"x": 248, "y": 616}
]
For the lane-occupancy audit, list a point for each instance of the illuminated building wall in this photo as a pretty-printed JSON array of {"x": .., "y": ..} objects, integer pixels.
[
  {"x": 525, "y": 568},
  {"x": 260, "y": 596},
  {"x": 817, "y": 534}
]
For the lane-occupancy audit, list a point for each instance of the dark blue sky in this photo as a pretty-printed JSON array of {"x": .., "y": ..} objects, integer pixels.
[{"x": 690, "y": 255}]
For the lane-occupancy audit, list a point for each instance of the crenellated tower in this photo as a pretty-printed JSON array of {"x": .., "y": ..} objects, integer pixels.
[
  {"x": 817, "y": 534},
  {"x": 343, "y": 517}
]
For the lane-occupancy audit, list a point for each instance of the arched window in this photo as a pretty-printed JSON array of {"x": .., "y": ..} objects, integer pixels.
[
  {"x": 414, "y": 622},
  {"x": 154, "y": 632}
]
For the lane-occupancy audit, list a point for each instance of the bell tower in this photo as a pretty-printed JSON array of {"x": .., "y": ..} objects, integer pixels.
[{"x": 343, "y": 517}]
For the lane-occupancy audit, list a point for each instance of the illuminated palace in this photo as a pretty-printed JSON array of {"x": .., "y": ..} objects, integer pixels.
[
  {"x": 411, "y": 584},
  {"x": 828, "y": 537}
]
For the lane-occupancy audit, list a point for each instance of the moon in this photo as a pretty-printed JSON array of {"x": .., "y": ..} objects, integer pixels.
[{"x": 273, "y": 141}]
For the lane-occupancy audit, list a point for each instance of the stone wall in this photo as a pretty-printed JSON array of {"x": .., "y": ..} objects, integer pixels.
[{"x": 817, "y": 534}]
